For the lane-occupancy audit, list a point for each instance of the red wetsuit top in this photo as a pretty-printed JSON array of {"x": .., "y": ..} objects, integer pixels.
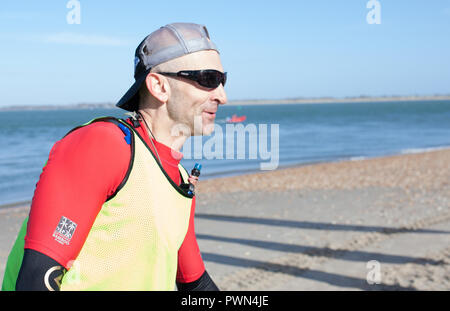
[{"x": 83, "y": 170}]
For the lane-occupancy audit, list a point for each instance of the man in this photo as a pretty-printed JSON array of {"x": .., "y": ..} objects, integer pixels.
[{"x": 110, "y": 210}]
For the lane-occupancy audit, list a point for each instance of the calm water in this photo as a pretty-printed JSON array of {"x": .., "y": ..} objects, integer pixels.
[{"x": 307, "y": 134}]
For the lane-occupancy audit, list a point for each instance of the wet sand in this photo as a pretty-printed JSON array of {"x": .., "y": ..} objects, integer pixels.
[{"x": 330, "y": 226}]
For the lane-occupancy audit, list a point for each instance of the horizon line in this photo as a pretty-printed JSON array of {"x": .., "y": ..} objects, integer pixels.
[{"x": 292, "y": 100}]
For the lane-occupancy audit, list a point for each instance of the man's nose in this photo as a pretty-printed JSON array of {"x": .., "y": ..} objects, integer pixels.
[{"x": 219, "y": 95}]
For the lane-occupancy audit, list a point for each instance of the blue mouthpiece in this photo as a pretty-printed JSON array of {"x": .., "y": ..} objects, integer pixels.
[{"x": 198, "y": 166}]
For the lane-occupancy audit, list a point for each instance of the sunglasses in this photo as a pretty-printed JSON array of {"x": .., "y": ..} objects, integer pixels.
[{"x": 208, "y": 78}]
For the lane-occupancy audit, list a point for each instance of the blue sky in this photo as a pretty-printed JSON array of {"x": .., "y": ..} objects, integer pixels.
[{"x": 271, "y": 49}]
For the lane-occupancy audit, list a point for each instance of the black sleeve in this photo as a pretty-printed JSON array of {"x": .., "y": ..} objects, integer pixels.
[
  {"x": 39, "y": 273},
  {"x": 204, "y": 283}
]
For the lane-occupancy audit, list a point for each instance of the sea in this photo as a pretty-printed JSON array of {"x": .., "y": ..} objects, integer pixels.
[{"x": 271, "y": 137}]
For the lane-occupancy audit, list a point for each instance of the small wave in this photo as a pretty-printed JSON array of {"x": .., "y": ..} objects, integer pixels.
[
  {"x": 420, "y": 150},
  {"x": 221, "y": 121},
  {"x": 357, "y": 158}
]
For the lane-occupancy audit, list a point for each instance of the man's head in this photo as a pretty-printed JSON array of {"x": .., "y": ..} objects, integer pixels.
[{"x": 179, "y": 99}]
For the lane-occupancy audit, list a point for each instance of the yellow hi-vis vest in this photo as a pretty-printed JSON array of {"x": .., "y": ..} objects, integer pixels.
[{"x": 134, "y": 241}]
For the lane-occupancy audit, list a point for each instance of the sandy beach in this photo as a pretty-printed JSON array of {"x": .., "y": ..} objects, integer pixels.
[{"x": 317, "y": 227}]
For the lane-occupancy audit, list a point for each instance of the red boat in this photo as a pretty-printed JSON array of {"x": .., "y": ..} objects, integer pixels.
[{"x": 236, "y": 119}]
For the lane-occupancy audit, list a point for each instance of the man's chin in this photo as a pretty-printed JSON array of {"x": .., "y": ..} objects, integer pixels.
[
  {"x": 202, "y": 126},
  {"x": 208, "y": 129}
]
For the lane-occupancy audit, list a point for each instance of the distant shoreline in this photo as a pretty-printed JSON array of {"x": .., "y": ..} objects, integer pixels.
[{"x": 320, "y": 100}]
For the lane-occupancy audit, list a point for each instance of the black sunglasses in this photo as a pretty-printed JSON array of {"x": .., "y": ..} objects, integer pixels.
[{"x": 209, "y": 78}]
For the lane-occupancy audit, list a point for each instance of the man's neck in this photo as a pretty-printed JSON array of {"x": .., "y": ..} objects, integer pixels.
[{"x": 163, "y": 130}]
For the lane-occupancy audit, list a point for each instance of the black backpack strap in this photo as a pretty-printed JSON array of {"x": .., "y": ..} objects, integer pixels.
[{"x": 119, "y": 122}]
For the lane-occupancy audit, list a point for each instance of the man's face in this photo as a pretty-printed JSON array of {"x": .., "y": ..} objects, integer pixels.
[{"x": 190, "y": 103}]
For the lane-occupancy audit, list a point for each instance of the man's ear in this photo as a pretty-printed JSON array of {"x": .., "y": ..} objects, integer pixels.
[{"x": 158, "y": 86}]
